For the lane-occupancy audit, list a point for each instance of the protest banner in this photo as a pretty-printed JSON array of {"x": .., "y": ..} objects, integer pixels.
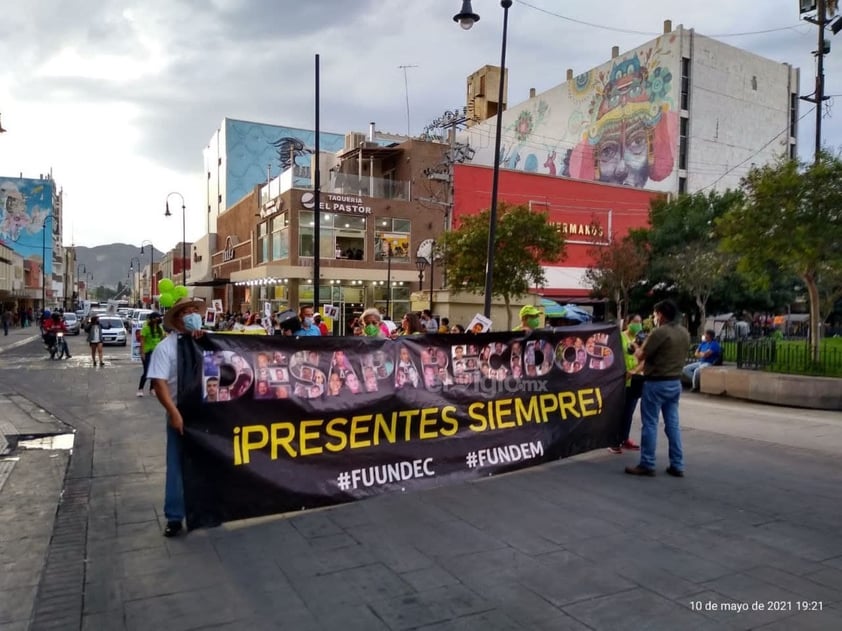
[{"x": 275, "y": 424}]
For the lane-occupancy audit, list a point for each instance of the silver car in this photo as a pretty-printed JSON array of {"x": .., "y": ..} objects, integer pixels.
[
  {"x": 73, "y": 324},
  {"x": 113, "y": 331}
]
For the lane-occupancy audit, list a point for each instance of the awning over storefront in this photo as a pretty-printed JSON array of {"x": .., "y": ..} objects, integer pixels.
[{"x": 214, "y": 282}]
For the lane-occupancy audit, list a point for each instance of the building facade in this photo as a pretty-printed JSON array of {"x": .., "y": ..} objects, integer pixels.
[
  {"x": 588, "y": 214},
  {"x": 371, "y": 231},
  {"x": 31, "y": 225},
  {"x": 681, "y": 113}
]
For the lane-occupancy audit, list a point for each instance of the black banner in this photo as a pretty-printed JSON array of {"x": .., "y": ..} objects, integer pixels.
[{"x": 275, "y": 424}]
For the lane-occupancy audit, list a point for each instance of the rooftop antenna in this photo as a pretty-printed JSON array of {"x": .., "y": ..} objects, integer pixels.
[{"x": 406, "y": 90}]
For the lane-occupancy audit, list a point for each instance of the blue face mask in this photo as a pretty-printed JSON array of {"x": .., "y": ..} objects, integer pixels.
[
  {"x": 308, "y": 322},
  {"x": 192, "y": 322}
]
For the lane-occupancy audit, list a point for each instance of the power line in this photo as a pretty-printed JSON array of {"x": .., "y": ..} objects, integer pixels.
[
  {"x": 785, "y": 130},
  {"x": 649, "y": 33}
]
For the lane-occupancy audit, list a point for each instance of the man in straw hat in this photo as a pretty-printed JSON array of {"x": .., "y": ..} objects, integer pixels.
[{"x": 182, "y": 317}]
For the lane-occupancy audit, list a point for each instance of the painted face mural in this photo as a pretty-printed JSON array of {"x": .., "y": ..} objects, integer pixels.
[{"x": 632, "y": 131}]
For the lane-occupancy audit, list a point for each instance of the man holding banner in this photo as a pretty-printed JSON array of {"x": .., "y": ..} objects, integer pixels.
[{"x": 182, "y": 317}]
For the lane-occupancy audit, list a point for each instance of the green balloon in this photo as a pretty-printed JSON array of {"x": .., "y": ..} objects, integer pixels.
[
  {"x": 165, "y": 285},
  {"x": 166, "y": 300},
  {"x": 181, "y": 291}
]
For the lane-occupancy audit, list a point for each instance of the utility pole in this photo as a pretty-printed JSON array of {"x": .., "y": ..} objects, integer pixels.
[
  {"x": 818, "y": 98},
  {"x": 406, "y": 92}
]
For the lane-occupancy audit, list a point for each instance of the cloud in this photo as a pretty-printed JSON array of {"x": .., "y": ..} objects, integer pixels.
[{"x": 135, "y": 89}]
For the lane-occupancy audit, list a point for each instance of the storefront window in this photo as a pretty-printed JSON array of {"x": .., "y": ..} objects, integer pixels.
[
  {"x": 392, "y": 232},
  {"x": 280, "y": 237},
  {"x": 262, "y": 242},
  {"x": 340, "y": 236}
]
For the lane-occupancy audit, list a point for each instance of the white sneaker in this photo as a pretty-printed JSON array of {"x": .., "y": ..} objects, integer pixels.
[{"x": 139, "y": 393}]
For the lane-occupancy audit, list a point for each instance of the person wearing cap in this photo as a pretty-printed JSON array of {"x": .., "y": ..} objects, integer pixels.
[
  {"x": 530, "y": 319},
  {"x": 182, "y": 318},
  {"x": 151, "y": 335},
  {"x": 317, "y": 320}
]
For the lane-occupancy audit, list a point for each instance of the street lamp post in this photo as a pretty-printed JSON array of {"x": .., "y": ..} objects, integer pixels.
[
  {"x": 44, "y": 261},
  {"x": 432, "y": 273},
  {"x": 88, "y": 277},
  {"x": 151, "y": 264},
  {"x": 466, "y": 19},
  {"x": 131, "y": 275},
  {"x": 167, "y": 213},
  {"x": 389, "y": 280},
  {"x": 421, "y": 263},
  {"x": 78, "y": 278}
]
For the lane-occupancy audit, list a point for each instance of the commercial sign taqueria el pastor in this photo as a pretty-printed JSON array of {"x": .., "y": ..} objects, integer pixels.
[{"x": 329, "y": 202}]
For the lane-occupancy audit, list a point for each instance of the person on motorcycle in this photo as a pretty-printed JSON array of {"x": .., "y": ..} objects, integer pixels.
[{"x": 50, "y": 328}]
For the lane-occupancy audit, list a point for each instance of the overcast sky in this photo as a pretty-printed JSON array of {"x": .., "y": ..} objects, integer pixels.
[{"x": 119, "y": 97}]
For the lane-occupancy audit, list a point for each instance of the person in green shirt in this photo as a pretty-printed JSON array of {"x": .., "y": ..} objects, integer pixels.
[{"x": 150, "y": 335}]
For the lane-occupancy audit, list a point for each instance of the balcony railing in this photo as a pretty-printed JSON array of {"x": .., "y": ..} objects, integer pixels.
[{"x": 335, "y": 183}]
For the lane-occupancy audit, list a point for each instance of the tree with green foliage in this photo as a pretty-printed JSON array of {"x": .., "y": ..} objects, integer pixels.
[
  {"x": 791, "y": 216},
  {"x": 685, "y": 246},
  {"x": 617, "y": 267},
  {"x": 525, "y": 239}
]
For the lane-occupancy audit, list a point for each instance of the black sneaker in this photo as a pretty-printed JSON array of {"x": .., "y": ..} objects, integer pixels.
[
  {"x": 172, "y": 528},
  {"x": 676, "y": 473}
]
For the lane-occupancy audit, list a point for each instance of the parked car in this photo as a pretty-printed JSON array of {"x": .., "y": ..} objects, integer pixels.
[
  {"x": 73, "y": 324},
  {"x": 113, "y": 331},
  {"x": 139, "y": 317}
]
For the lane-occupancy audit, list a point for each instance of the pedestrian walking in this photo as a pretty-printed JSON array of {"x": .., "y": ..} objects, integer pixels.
[
  {"x": 150, "y": 336},
  {"x": 182, "y": 317},
  {"x": 664, "y": 353},
  {"x": 95, "y": 340},
  {"x": 7, "y": 320}
]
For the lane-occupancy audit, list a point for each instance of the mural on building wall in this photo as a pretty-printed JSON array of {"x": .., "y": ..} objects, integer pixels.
[
  {"x": 25, "y": 205},
  {"x": 256, "y": 150},
  {"x": 617, "y": 123}
]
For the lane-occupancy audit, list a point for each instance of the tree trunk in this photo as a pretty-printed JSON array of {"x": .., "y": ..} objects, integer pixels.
[
  {"x": 703, "y": 316},
  {"x": 813, "y": 291},
  {"x": 618, "y": 300}
]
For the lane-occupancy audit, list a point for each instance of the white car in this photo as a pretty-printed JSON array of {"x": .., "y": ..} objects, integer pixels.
[{"x": 113, "y": 331}]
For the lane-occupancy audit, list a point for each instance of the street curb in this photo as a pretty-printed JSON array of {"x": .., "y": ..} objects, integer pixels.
[{"x": 59, "y": 600}]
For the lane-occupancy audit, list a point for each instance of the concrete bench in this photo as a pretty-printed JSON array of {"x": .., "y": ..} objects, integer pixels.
[{"x": 818, "y": 393}]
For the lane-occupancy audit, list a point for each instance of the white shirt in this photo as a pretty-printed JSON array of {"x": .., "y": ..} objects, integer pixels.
[{"x": 164, "y": 363}]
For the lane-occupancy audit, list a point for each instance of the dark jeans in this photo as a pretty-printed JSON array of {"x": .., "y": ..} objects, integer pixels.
[
  {"x": 142, "y": 383},
  {"x": 633, "y": 393}
]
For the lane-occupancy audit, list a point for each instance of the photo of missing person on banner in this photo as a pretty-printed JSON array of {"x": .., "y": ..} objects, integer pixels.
[
  {"x": 493, "y": 361},
  {"x": 599, "y": 353},
  {"x": 570, "y": 355},
  {"x": 406, "y": 373},
  {"x": 380, "y": 364},
  {"x": 310, "y": 379},
  {"x": 538, "y": 358},
  {"x": 232, "y": 372}
]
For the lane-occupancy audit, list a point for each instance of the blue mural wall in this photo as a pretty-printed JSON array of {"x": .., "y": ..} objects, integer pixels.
[
  {"x": 24, "y": 206},
  {"x": 252, "y": 147}
]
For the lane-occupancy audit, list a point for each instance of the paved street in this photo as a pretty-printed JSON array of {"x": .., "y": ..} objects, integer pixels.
[{"x": 749, "y": 539}]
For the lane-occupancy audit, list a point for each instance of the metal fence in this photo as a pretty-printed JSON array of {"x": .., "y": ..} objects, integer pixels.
[{"x": 795, "y": 358}]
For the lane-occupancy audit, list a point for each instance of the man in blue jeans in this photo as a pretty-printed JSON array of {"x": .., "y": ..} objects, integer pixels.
[
  {"x": 709, "y": 353},
  {"x": 182, "y": 318},
  {"x": 664, "y": 353}
]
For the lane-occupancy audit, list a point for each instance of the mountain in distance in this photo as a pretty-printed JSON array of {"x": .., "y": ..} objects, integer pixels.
[{"x": 110, "y": 263}]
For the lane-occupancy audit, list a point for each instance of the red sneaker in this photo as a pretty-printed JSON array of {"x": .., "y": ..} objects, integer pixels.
[{"x": 630, "y": 445}]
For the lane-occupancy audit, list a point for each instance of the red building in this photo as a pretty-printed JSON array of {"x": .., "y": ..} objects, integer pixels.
[{"x": 587, "y": 212}]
